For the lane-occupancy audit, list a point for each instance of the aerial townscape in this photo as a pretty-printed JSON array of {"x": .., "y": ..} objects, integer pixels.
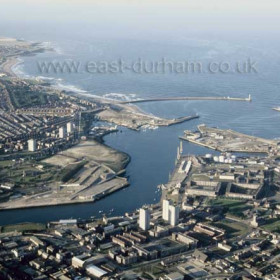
[{"x": 218, "y": 216}]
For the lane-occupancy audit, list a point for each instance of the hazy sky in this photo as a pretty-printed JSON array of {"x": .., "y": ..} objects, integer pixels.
[{"x": 132, "y": 18}]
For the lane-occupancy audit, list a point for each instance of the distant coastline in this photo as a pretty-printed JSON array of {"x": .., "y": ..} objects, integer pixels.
[{"x": 8, "y": 66}]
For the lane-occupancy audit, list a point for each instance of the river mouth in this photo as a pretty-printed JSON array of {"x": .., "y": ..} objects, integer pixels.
[{"x": 152, "y": 154}]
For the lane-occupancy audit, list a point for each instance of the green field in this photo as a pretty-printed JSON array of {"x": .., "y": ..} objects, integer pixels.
[
  {"x": 232, "y": 207},
  {"x": 272, "y": 225},
  {"x": 27, "y": 94},
  {"x": 23, "y": 98},
  {"x": 156, "y": 270},
  {"x": 23, "y": 227},
  {"x": 26, "y": 173},
  {"x": 233, "y": 229},
  {"x": 6, "y": 163}
]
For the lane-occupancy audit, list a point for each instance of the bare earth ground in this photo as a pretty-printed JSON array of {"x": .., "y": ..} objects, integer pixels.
[
  {"x": 96, "y": 179},
  {"x": 93, "y": 151}
]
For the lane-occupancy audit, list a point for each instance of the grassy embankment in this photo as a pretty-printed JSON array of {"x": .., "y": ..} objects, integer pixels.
[{"x": 23, "y": 227}]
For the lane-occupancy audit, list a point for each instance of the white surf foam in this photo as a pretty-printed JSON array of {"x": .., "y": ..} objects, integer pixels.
[{"x": 120, "y": 96}]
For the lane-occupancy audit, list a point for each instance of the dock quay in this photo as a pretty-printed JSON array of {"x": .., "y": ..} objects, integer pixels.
[
  {"x": 182, "y": 98},
  {"x": 183, "y": 119},
  {"x": 185, "y": 138},
  {"x": 230, "y": 141}
]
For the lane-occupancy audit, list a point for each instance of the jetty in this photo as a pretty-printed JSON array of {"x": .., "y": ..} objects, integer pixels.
[{"x": 182, "y": 98}]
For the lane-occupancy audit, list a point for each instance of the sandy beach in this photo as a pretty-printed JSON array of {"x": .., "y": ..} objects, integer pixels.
[{"x": 7, "y": 67}]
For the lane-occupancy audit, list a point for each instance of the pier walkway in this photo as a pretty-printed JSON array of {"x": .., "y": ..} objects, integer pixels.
[{"x": 224, "y": 98}]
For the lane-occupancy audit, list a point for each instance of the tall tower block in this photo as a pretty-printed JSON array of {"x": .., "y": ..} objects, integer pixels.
[{"x": 144, "y": 219}]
